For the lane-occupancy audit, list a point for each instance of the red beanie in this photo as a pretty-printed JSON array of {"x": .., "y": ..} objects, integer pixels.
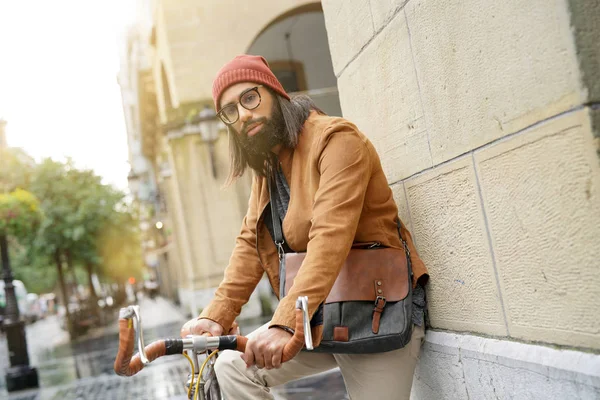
[{"x": 245, "y": 68}]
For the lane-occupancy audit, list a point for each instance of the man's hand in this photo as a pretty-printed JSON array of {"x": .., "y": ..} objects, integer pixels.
[
  {"x": 201, "y": 326},
  {"x": 267, "y": 348}
]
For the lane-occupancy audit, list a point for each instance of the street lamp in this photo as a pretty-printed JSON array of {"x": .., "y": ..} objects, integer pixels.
[
  {"x": 20, "y": 375},
  {"x": 209, "y": 133}
]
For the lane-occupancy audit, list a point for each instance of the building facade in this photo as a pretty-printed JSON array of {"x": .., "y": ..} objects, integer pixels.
[
  {"x": 149, "y": 176},
  {"x": 486, "y": 120}
]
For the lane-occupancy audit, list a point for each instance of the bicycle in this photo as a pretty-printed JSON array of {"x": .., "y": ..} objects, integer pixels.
[{"x": 130, "y": 332}]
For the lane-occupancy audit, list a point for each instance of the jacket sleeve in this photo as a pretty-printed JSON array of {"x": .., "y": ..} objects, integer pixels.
[
  {"x": 243, "y": 272},
  {"x": 344, "y": 165}
]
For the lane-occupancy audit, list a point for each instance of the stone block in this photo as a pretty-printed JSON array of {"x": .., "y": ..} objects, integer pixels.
[
  {"x": 449, "y": 229},
  {"x": 541, "y": 193},
  {"x": 349, "y": 28},
  {"x": 489, "y": 71},
  {"x": 384, "y": 10},
  {"x": 452, "y": 365},
  {"x": 380, "y": 94},
  {"x": 486, "y": 380},
  {"x": 429, "y": 382}
]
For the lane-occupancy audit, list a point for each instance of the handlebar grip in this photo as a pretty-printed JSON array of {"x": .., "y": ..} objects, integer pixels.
[
  {"x": 125, "y": 365},
  {"x": 292, "y": 347}
]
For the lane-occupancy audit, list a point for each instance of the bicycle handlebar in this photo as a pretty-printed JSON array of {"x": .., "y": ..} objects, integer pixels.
[{"x": 126, "y": 365}]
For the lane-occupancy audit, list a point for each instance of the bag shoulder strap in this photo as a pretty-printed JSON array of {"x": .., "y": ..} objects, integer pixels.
[
  {"x": 406, "y": 250},
  {"x": 276, "y": 220},
  {"x": 277, "y": 232}
]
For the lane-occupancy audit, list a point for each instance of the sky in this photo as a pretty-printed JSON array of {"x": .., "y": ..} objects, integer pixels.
[{"x": 59, "y": 62}]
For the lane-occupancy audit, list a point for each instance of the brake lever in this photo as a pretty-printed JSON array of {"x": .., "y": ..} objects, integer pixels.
[
  {"x": 302, "y": 303},
  {"x": 134, "y": 311}
]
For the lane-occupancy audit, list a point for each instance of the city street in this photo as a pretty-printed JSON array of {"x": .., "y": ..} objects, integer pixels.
[{"x": 83, "y": 369}]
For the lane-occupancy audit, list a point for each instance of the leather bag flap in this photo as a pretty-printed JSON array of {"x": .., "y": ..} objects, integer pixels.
[{"x": 365, "y": 275}]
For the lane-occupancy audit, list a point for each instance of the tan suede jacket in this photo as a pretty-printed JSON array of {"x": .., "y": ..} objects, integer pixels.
[{"x": 339, "y": 195}]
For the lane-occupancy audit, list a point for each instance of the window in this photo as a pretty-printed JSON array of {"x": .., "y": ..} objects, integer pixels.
[{"x": 290, "y": 73}]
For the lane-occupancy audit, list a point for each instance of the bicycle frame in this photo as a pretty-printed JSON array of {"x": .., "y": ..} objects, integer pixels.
[{"x": 192, "y": 381}]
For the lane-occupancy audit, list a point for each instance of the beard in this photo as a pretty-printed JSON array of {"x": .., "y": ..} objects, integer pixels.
[{"x": 257, "y": 148}]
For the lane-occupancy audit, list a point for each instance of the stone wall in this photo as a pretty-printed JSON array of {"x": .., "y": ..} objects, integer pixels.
[{"x": 484, "y": 115}]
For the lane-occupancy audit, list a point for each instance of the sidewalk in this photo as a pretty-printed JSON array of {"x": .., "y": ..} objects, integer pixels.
[{"x": 82, "y": 369}]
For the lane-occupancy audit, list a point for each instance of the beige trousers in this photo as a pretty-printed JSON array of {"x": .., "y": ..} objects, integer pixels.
[{"x": 381, "y": 376}]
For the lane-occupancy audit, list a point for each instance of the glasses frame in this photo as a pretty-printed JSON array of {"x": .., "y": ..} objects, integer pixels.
[{"x": 239, "y": 102}]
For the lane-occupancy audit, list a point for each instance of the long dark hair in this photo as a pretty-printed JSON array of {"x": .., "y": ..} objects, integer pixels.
[{"x": 293, "y": 113}]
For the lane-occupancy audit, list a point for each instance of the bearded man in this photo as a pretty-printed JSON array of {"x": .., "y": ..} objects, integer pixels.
[{"x": 330, "y": 192}]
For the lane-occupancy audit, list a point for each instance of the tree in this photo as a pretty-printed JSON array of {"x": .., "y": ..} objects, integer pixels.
[
  {"x": 49, "y": 182},
  {"x": 87, "y": 224},
  {"x": 19, "y": 213},
  {"x": 83, "y": 224},
  {"x": 100, "y": 208},
  {"x": 19, "y": 217},
  {"x": 16, "y": 168}
]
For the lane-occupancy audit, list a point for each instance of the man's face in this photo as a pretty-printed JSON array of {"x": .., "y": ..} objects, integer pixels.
[{"x": 259, "y": 129}]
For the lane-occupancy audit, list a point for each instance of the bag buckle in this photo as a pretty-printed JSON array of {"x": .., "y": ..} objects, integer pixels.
[
  {"x": 377, "y": 313},
  {"x": 280, "y": 251},
  {"x": 378, "y": 299}
]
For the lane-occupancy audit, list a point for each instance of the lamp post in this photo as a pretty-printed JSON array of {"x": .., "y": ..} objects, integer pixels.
[
  {"x": 20, "y": 375},
  {"x": 209, "y": 133}
]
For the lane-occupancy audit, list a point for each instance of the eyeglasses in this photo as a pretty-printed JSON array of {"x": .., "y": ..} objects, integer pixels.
[{"x": 249, "y": 99}]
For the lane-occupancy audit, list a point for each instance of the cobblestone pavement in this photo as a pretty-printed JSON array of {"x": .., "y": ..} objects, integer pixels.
[{"x": 83, "y": 369}]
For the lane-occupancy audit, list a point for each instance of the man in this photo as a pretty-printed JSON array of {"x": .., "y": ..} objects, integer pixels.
[{"x": 332, "y": 192}]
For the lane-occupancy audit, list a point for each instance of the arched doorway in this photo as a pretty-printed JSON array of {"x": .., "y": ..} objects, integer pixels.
[{"x": 296, "y": 47}]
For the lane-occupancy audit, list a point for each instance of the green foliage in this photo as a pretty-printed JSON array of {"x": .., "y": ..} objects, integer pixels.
[
  {"x": 79, "y": 210},
  {"x": 19, "y": 213},
  {"x": 37, "y": 272},
  {"x": 75, "y": 213}
]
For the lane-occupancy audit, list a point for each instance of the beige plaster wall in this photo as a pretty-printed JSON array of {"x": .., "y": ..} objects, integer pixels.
[
  {"x": 211, "y": 214},
  {"x": 161, "y": 56},
  {"x": 478, "y": 110},
  {"x": 199, "y": 37}
]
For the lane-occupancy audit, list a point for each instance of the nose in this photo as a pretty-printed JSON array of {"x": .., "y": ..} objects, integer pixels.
[{"x": 245, "y": 115}]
